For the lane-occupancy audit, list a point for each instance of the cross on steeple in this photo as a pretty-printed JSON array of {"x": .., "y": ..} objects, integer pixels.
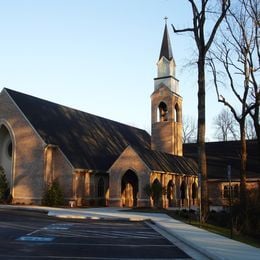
[{"x": 165, "y": 18}]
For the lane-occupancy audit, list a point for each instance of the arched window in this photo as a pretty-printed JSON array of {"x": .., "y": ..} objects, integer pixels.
[
  {"x": 170, "y": 193},
  {"x": 10, "y": 149},
  {"x": 162, "y": 112},
  {"x": 6, "y": 152},
  {"x": 183, "y": 192},
  {"x": 194, "y": 193},
  {"x": 157, "y": 190}
]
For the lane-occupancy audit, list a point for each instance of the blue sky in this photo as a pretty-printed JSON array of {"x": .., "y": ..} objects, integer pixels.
[{"x": 97, "y": 56}]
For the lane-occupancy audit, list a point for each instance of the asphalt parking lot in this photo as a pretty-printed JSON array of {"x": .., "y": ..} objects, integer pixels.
[{"x": 34, "y": 235}]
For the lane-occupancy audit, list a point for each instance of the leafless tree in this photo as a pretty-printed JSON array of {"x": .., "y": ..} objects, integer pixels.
[
  {"x": 204, "y": 30},
  {"x": 225, "y": 126},
  {"x": 189, "y": 130},
  {"x": 235, "y": 64},
  {"x": 250, "y": 129}
]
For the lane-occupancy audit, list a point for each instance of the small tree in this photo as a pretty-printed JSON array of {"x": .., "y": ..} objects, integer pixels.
[
  {"x": 189, "y": 130},
  {"x": 53, "y": 196},
  {"x": 226, "y": 126},
  {"x": 4, "y": 187}
]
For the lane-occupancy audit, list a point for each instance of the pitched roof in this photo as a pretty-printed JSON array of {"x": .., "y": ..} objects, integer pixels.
[
  {"x": 164, "y": 162},
  {"x": 88, "y": 141},
  {"x": 166, "y": 49},
  {"x": 222, "y": 154}
]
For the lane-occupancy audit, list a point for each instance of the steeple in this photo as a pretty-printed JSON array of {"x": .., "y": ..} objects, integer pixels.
[
  {"x": 166, "y": 65},
  {"x": 166, "y": 103},
  {"x": 166, "y": 48}
]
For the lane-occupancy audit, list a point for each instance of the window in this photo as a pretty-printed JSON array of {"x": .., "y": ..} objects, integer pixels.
[
  {"x": 234, "y": 191},
  {"x": 226, "y": 192}
]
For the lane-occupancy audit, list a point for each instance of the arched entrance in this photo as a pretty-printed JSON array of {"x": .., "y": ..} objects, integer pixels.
[
  {"x": 6, "y": 152},
  {"x": 129, "y": 189},
  {"x": 101, "y": 192},
  {"x": 170, "y": 193}
]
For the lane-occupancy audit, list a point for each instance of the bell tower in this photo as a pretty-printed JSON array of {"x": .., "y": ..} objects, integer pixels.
[{"x": 166, "y": 103}]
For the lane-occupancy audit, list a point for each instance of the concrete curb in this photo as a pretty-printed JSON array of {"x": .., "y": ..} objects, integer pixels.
[
  {"x": 189, "y": 243},
  {"x": 80, "y": 216}
]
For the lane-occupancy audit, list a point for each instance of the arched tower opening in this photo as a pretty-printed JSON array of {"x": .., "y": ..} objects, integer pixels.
[
  {"x": 162, "y": 112},
  {"x": 177, "y": 116}
]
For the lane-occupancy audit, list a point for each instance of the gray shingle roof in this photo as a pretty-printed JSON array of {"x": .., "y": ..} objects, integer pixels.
[
  {"x": 164, "y": 162},
  {"x": 88, "y": 141},
  {"x": 221, "y": 154}
]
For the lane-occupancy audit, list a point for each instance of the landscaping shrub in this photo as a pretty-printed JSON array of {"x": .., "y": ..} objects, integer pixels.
[
  {"x": 53, "y": 196},
  {"x": 5, "y": 196}
]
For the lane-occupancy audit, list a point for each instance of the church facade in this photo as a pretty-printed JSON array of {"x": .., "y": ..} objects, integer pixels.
[{"x": 98, "y": 162}]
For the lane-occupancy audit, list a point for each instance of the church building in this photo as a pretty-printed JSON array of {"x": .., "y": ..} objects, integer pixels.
[{"x": 97, "y": 161}]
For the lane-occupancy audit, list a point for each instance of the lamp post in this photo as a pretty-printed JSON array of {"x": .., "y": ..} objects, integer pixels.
[{"x": 230, "y": 200}]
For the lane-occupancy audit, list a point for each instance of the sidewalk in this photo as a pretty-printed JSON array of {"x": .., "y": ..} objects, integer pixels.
[{"x": 211, "y": 245}]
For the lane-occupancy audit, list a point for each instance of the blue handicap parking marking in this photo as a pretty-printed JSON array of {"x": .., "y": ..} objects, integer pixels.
[{"x": 35, "y": 239}]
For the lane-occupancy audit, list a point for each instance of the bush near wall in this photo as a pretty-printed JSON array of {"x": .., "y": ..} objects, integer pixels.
[
  {"x": 5, "y": 196},
  {"x": 53, "y": 196}
]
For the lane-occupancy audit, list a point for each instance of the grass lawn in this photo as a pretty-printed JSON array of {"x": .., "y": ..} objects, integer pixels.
[{"x": 209, "y": 227}]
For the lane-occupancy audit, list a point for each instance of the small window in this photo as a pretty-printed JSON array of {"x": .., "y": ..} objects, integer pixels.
[
  {"x": 234, "y": 191},
  {"x": 226, "y": 192}
]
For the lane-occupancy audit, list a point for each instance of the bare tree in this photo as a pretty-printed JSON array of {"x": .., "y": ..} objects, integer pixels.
[
  {"x": 189, "y": 130},
  {"x": 236, "y": 52},
  {"x": 204, "y": 31},
  {"x": 250, "y": 129},
  {"x": 253, "y": 11},
  {"x": 225, "y": 126}
]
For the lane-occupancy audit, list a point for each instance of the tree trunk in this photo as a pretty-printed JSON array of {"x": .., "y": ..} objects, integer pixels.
[
  {"x": 257, "y": 126},
  {"x": 243, "y": 193},
  {"x": 201, "y": 139}
]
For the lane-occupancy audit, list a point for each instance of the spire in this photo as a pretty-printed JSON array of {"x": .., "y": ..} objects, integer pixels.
[
  {"x": 166, "y": 49},
  {"x": 166, "y": 65}
]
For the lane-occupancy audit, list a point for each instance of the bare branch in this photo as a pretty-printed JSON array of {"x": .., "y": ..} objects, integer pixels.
[{"x": 182, "y": 30}]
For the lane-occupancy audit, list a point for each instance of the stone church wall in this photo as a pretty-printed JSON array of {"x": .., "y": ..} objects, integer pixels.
[
  {"x": 58, "y": 168},
  {"x": 27, "y": 156}
]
